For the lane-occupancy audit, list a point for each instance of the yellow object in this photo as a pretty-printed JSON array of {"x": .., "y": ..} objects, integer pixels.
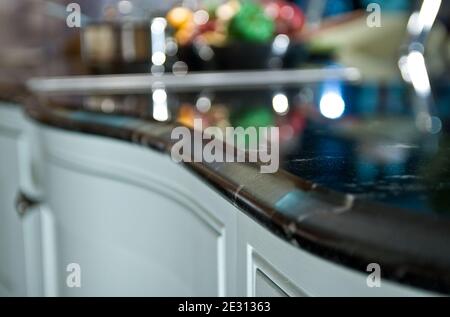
[
  {"x": 184, "y": 34},
  {"x": 179, "y": 16},
  {"x": 214, "y": 38}
]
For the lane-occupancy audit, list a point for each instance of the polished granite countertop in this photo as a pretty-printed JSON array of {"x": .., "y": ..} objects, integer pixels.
[
  {"x": 359, "y": 190},
  {"x": 412, "y": 174}
]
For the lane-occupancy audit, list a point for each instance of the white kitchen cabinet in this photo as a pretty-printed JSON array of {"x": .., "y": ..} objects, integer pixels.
[
  {"x": 133, "y": 221},
  {"x": 20, "y": 266}
]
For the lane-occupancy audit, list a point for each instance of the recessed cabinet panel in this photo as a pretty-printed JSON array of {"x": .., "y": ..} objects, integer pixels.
[
  {"x": 265, "y": 287},
  {"x": 132, "y": 237},
  {"x": 264, "y": 280}
]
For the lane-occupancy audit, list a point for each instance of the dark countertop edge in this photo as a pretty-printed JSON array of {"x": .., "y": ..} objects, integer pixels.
[
  {"x": 311, "y": 234},
  {"x": 307, "y": 238}
]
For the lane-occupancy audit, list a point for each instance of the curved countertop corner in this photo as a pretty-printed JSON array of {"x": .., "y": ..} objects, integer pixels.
[{"x": 338, "y": 226}]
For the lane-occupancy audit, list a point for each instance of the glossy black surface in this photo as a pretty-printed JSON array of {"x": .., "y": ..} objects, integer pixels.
[
  {"x": 411, "y": 175},
  {"x": 373, "y": 151},
  {"x": 381, "y": 157}
]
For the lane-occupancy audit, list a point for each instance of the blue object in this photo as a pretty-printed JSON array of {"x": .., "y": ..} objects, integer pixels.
[
  {"x": 338, "y": 7},
  {"x": 390, "y": 5}
]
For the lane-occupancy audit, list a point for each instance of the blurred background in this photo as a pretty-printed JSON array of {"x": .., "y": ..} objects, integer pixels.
[{"x": 209, "y": 35}]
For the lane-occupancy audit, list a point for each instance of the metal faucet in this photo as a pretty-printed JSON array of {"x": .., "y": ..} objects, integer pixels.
[{"x": 413, "y": 67}]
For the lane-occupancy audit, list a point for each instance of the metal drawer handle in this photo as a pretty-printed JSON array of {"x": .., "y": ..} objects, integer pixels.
[{"x": 24, "y": 203}]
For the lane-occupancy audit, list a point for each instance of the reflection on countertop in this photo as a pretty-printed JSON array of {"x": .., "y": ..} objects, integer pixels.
[
  {"x": 358, "y": 139},
  {"x": 410, "y": 175}
]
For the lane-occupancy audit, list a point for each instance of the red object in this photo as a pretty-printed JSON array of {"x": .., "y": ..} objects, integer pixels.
[
  {"x": 289, "y": 18},
  {"x": 209, "y": 26},
  {"x": 291, "y": 125},
  {"x": 297, "y": 121}
]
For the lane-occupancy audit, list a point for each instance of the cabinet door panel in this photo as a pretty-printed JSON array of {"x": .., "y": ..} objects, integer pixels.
[{"x": 132, "y": 239}]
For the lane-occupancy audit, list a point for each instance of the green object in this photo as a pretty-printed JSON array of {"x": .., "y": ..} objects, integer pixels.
[
  {"x": 256, "y": 117},
  {"x": 253, "y": 117},
  {"x": 251, "y": 24}
]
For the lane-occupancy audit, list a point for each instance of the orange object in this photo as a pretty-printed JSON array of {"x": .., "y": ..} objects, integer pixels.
[
  {"x": 185, "y": 34},
  {"x": 186, "y": 115},
  {"x": 179, "y": 16}
]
